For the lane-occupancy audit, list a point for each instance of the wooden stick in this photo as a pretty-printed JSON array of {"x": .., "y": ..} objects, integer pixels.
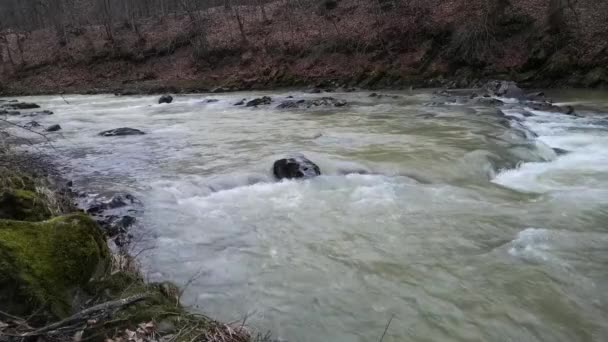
[{"x": 86, "y": 313}]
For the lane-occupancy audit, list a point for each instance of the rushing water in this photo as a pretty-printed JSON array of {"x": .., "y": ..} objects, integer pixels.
[{"x": 461, "y": 229}]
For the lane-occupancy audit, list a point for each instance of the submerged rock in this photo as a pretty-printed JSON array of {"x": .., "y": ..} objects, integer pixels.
[
  {"x": 165, "y": 99},
  {"x": 537, "y": 96},
  {"x": 240, "y": 103},
  {"x": 9, "y": 112},
  {"x": 379, "y": 96},
  {"x": 21, "y": 105},
  {"x": 560, "y": 151},
  {"x": 295, "y": 167},
  {"x": 504, "y": 89},
  {"x": 53, "y": 128},
  {"x": 321, "y": 102},
  {"x": 265, "y": 100},
  {"x": 43, "y": 264},
  {"x": 44, "y": 112},
  {"x": 117, "y": 226},
  {"x": 117, "y": 201},
  {"x": 490, "y": 101},
  {"x": 121, "y": 132},
  {"x": 127, "y": 92},
  {"x": 220, "y": 90},
  {"x": 549, "y": 107},
  {"x": 502, "y": 114},
  {"x": 290, "y": 104},
  {"x": 114, "y": 215},
  {"x": 32, "y": 124}
]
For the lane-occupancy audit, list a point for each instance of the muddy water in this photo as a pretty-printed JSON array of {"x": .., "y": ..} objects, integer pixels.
[{"x": 457, "y": 223}]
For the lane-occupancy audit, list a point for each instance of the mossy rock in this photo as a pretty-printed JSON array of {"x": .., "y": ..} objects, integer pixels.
[
  {"x": 23, "y": 205},
  {"x": 43, "y": 265}
]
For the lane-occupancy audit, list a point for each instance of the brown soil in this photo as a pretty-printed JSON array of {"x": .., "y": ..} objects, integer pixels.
[{"x": 358, "y": 44}]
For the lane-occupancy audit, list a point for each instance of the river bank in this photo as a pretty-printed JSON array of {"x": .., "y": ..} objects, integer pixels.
[
  {"x": 328, "y": 44},
  {"x": 62, "y": 277}
]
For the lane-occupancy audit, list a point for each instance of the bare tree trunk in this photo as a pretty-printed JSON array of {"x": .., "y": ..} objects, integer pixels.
[
  {"x": 198, "y": 35},
  {"x": 241, "y": 26},
  {"x": 20, "y": 40},
  {"x": 555, "y": 16},
  {"x": 263, "y": 10},
  {"x": 8, "y": 49},
  {"x": 107, "y": 21}
]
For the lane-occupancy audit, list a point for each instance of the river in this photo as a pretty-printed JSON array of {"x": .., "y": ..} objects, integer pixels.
[{"x": 440, "y": 218}]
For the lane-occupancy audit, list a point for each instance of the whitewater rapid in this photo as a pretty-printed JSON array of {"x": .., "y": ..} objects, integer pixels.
[{"x": 458, "y": 224}]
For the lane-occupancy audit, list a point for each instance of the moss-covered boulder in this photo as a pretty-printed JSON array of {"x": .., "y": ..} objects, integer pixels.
[
  {"x": 23, "y": 205},
  {"x": 44, "y": 264}
]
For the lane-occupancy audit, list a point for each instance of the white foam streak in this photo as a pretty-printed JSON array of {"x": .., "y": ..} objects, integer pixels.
[{"x": 581, "y": 169}]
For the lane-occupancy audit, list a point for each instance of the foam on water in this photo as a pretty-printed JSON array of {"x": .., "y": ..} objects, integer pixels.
[
  {"x": 539, "y": 244},
  {"x": 404, "y": 220},
  {"x": 582, "y": 168}
]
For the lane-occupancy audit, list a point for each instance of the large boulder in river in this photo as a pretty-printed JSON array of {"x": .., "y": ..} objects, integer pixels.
[
  {"x": 295, "y": 167},
  {"x": 265, "y": 100},
  {"x": 165, "y": 99},
  {"x": 504, "y": 89},
  {"x": 121, "y": 131}
]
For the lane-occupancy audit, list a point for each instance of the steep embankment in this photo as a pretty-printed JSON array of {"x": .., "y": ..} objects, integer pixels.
[{"x": 365, "y": 44}]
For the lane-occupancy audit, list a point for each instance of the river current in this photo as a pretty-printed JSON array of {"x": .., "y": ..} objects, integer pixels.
[{"x": 447, "y": 219}]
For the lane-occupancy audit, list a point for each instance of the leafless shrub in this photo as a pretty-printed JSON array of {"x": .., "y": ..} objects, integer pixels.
[{"x": 475, "y": 39}]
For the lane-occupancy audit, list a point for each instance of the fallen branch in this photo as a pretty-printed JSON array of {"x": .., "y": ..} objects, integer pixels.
[
  {"x": 7, "y": 315},
  {"x": 87, "y": 314},
  {"x": 24, "y": 127},
  {"x": 386, "y": 328}
]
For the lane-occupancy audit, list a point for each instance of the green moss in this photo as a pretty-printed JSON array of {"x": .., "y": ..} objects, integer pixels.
[
  {"x": 23, "y": 205},
  {"x": 162, "y": 300},
  {"x": 43, "y": 264},
  {"x": 12, "y": 181},
  {"x": 162, "y": 303}
]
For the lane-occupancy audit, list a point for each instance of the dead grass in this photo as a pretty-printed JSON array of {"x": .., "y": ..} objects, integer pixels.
[{"x": 30, "y": 171}]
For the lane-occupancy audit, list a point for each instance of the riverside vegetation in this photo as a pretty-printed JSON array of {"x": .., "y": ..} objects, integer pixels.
[
  {"x": 59, "y": 280},
  {"x": 127, "y": 47}
]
